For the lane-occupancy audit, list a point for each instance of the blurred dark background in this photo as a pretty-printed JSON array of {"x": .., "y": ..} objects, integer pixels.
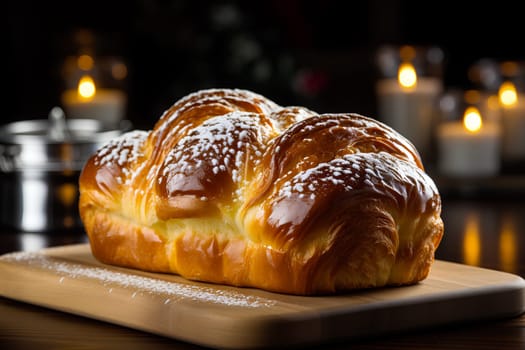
[{"x": 319, "y": 54}]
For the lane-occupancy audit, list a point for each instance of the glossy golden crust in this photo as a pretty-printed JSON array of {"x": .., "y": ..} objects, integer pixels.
[{"x": 231, "y": 188}]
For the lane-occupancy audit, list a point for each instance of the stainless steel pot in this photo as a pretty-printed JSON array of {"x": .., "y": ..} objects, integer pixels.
[{"x": 40, "y": 162}]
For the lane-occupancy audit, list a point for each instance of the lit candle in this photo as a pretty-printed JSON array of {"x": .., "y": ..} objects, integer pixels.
[
  {"x": 106, "y": 105},
  {"x": 512, "y": 122},
  {"x": 469, "y": 147},
  {"x": 408, "y": 105}
]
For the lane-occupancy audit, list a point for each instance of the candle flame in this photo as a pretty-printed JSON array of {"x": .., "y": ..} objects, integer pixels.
[
  {"x": 407, "y": 76},
  {"x": 508, "y": 95},
  {"x": 86, "y": 87},
  {"x": 472, "y": 119}
]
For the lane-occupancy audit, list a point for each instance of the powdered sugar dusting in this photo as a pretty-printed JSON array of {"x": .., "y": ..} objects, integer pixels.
[
  {"x": 380, "y": 172},
  {"x": 288, "y": 116},
  {"x": 139, "y": 285},
  {"x": 233, "y": 99},
  {"x": 222, "y": 144},
  {"x": 311, "y": 181},
  {"x": 123, "y": 150}
]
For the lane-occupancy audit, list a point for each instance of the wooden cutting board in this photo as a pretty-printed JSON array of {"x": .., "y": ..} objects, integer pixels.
[{"x": 69, "y": 279}]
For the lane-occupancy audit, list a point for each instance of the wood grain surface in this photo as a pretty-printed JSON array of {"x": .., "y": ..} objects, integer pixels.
[{"x": 68, "y": 278}]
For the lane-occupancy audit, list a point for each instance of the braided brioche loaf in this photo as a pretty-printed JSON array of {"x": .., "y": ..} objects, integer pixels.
[{"x": 231, "y": 188}]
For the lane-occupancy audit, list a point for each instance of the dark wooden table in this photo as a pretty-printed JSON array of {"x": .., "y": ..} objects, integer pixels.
[{"x": 485, "y": 231}]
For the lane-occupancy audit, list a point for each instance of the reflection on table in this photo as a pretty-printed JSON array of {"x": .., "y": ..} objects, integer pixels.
[{"x": 486, "y": 233}]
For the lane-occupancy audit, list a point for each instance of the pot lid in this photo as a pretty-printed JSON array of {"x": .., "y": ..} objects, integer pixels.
[
  {"x": 55, "y": 143},
  {"x": 58, "y": 129}
]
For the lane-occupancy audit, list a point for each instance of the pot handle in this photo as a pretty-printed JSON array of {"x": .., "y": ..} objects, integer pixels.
[{"x": 8, "y": 154}]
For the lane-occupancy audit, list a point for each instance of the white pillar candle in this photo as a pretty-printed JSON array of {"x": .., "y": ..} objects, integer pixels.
[
  {"x": 410, "y": 111},
  {"x": 106, "y": 105},
  {"x": 468, "y": 153}
]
